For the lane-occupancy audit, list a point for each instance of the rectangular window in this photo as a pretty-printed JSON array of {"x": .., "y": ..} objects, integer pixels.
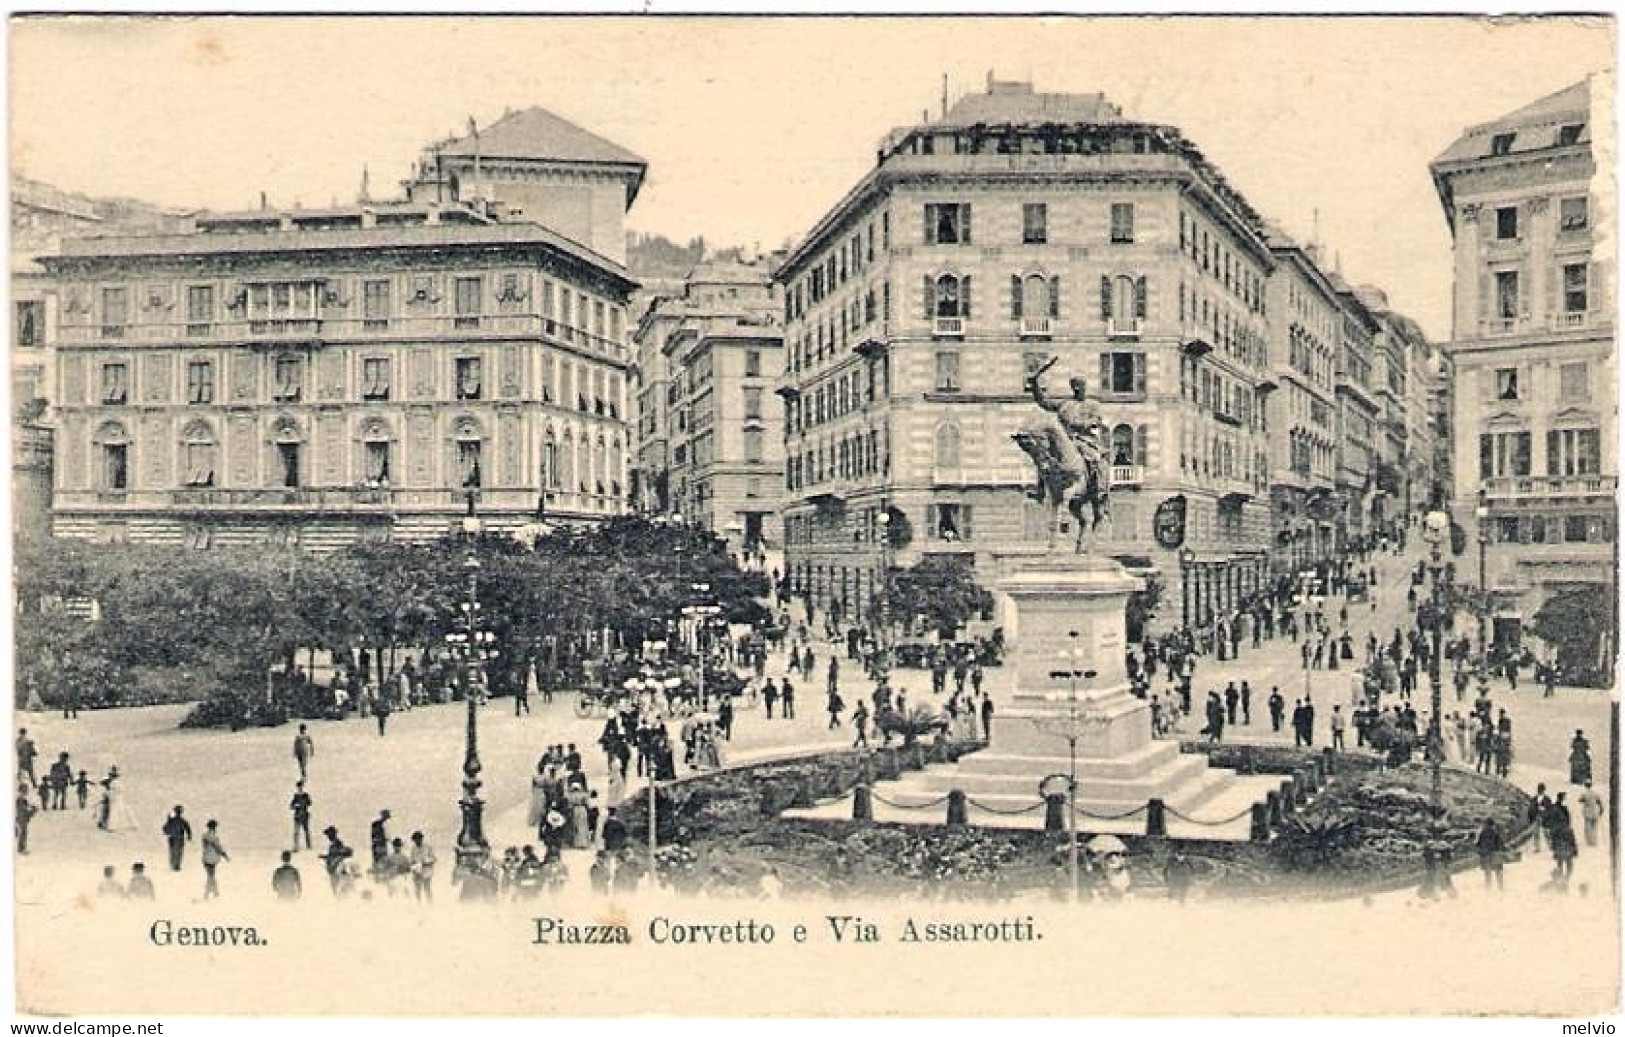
[
  {"x": 1506, "y": 294},
  {"x": 753, "y": 446},
  {"x": 288, "y": 380},
  {"x": 115, "y": 384},
  {"x": 1123, "y": 374},
  {"x": 115, "y": 312},
  {"x": 1506, "y": 383},
  {"x": 288, "y": 460},
  {"x": 30, "y": 331},
  {"x": 947, "y": 223},
  {"x": 1569, "y": 135},
  {"x": 199, "y": 381},
  {"x": 1575, "y": 294},
  {"x": 377, "y": 462},
  {"x": 753, "y": 363},
  {"x": 115, "y": 466},
  {"x": 947, "y": 371},
  {"x": 468, "y": 379},
  {"x": 198, "y": 461},
  {"x": 1506, "y": 222},
  {"x": 753, "y": 403},
  {"x": 1574, "y": 213},
  {"x": 1574, "y": 381},
  {"x": 1588, "y": 451},
  {"x": 1122, "y": 223},
  {"x": 375, "y": 378},
  {"x": 469, "y": 475},
  {"x": 467, "y": 307},
  {"x": 1575, "y": 528},
  {"x": 375, "y": 305},
  {"x": 1034, "y": 223},
  {"x": 1501, "y": 144},
  {"x": 199, "y": 309},
  {"x": 950, "y": 522}
]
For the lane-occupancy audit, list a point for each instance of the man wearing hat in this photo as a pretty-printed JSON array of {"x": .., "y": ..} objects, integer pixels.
[
  {"x": 380, "y": 839},
  {"x": 336, "y": 859},
  {"x": 177, "y": 832}
]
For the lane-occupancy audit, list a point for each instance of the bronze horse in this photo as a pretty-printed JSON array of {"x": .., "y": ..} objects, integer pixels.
[{"x": 1057, "y": 479}]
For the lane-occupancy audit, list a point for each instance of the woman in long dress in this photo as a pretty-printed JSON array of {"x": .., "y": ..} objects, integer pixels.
[
  {"x": 538, "y": 796},
  {"x": 580, "y": 830}
]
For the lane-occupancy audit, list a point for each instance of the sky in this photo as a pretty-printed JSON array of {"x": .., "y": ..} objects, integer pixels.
[{"x": 754, "y": 127}]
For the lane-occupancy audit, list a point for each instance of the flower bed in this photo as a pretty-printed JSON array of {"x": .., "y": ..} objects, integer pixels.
[{"x": 1363, "y": 832}]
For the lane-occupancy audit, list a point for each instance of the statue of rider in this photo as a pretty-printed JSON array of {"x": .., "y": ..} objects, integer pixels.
[{"x": 1077, "y": 436}]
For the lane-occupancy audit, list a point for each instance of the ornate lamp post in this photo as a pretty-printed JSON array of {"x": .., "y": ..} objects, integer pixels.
[
  {"x": 1071, "y": 725},
  {"x": 473, "y": 645},
  {"x": 1435, "y": 527},
  {"x": 1186, "y": 559},
  {"x": 883, "y": 611}
]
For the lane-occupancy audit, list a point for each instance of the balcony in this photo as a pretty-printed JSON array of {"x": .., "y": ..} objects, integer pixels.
[
  {"x": 982, "y": 475},
  {"x": 1123, "y": 328},
  {"x": 948, "y": 327},
  {"x": 1127, "y": 475},
  {"x": 1569, "y": 487},
  {"x": 338, "y": 498},
  {"x": 367, "y": 329},
  {"x": 1505, "y": 325},
  {"x": 1567, "y": 320},
  {"x": 1035, "y": 327}
]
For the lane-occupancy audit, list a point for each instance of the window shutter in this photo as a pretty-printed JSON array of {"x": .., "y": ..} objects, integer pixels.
[
  {"x": 1140, "y": 293},
  {"x": 930, "y": 297},
  {"x": 1105, "y": 298},
  {"x": 1554, "y": 460},
  {"x": 1015, "y": 296},
  {"x": 964, "y": 224},
  {"x": 1105, "y": 372},
  {"x": 1139, "y": 372},
  {"x": 964, "y": 522},
  {"x": 1141, "y": 453},
  {"x": 1055, "y": 297},
  {"x": 931, "y": 520},
  {"x": 964, "y": 290},
  {"x": 927, "y": 229}
]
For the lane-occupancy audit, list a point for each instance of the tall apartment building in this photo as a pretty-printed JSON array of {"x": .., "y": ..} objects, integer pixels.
[
  {"x": 710, "y": 435},
  {"x": 1359, "y": 419},
  {"x": 1534, "y": 394},
  {"x": 1018, "y": 227},
  {"x": 1305, "y": 328}
]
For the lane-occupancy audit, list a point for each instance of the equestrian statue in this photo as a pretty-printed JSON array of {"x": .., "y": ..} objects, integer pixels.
[{"x": 1068, "y": 452}]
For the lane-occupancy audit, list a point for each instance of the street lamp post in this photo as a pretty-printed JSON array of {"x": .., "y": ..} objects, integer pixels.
[
  {"x": 883, "y": 612},
  {"x": 1483, "y": 516},
  {"x": 1186, "y": 557},
  {"x": 1436, "y": 527},
  {"x": 473, "y": 850},
  {"x": 1070, "y": 726}
]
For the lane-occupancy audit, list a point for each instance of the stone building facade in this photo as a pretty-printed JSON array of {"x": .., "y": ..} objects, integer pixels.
[
  {"x": 1535, "y": 401},
  {"x": 323, "y": 376},
  {"x": 1017, "y": 228}
]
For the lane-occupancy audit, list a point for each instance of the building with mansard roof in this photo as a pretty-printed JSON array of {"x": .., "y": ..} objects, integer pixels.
[{"x": 1534, "y": 401}]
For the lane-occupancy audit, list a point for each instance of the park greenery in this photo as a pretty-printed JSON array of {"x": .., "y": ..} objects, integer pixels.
[{"x": 116, "y": 624}]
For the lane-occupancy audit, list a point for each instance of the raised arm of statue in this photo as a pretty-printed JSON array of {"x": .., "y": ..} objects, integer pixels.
[{"x": 1036, "y": 389}]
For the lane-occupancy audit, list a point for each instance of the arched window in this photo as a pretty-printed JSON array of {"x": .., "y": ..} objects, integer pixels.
[
  {"x": 948, "y": 454},
  {"x": 1036, "y": 299},
  {"x": 1125, "y": 301},
  {"x": 377, "y": 464},
  {"x": 197, "y": 454},
  {"x": 1123, "y": 445},
  {"x": 949, "y": 302}
]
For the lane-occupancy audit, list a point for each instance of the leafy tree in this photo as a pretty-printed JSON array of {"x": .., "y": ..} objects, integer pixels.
[
  {"x": 1575, "y": 623},
  {"x": 939, "y": 591}
]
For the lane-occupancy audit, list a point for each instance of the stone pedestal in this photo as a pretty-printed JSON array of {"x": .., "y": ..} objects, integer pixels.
[{"x": 1070, "y": 616}]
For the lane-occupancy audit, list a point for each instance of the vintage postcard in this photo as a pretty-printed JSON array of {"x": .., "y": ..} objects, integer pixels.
[{"x": 626, "y": 516}]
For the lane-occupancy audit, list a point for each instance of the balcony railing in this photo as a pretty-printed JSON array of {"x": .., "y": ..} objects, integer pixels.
[
  {"x": 337, "y": 498},
  {"x": 1123, "y": 327},
  {"x": 1551, "y": 486},
  {"x": 948, "y": 327},
  {"x": 1505, "y": 325},
  {"x": 1035, "y": 327},
  {"x": 369, "y": 328},
  {"x": 1127, "y": 475},
  {"x": 1575, "y": 319}
]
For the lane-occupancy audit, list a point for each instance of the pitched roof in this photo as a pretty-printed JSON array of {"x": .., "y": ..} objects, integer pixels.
[
  {"x": 536, "y": 133},
  {"x": 1533, "y": 127}
]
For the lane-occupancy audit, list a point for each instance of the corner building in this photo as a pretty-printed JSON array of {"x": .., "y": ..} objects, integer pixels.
[
  {"x": 1534, "y": 396},
  {"x": 320, "y": 377},
  {"x": 1018, "y": 227}
]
